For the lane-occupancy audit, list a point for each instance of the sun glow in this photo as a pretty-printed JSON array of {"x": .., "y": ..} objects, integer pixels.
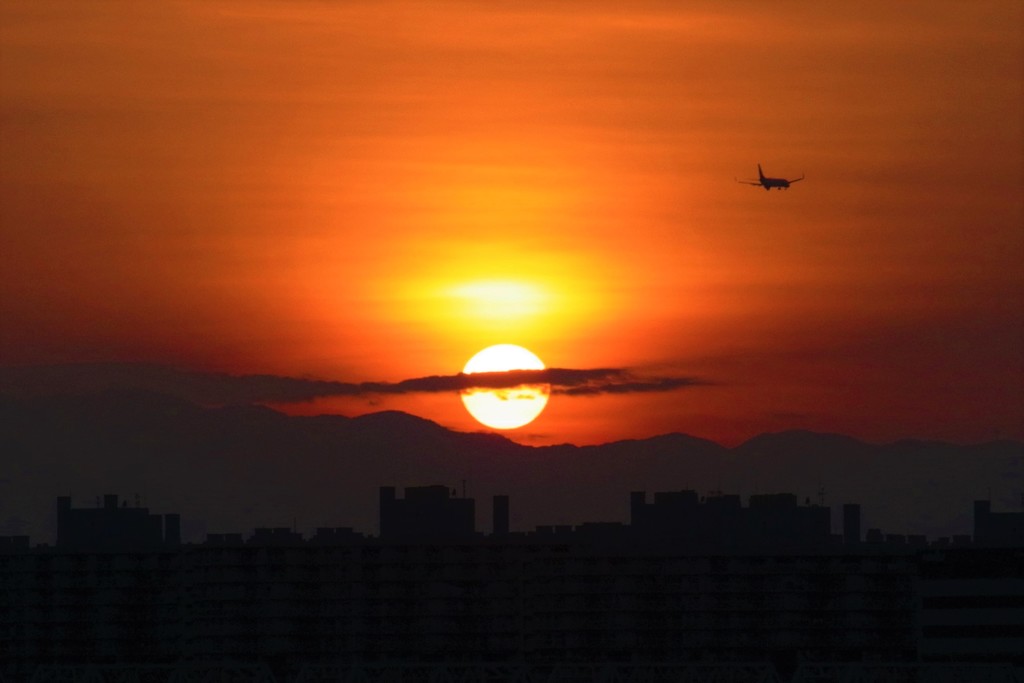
[
  {"x": 500, "y": 299},
  {"x": 510, "y": 407}
]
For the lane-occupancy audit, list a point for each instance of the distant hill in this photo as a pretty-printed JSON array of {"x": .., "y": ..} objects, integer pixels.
[{"x": 233, "y": 469}]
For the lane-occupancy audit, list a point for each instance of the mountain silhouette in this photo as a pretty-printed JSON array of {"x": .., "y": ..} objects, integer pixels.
[{"x": 235, "y": 468}]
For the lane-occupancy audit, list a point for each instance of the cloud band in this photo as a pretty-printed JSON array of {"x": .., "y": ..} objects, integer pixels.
[{"x": 221, "y": 388}]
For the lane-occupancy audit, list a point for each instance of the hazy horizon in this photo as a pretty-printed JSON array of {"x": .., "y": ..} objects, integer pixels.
[
  {"x": 232, "y": 470},
  {"x": 368, "y": 194}
]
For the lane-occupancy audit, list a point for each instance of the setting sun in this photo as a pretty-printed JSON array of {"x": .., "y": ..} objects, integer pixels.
[
  {"x": 366, "y": 194},
  {"x": 511, "y": 407}
]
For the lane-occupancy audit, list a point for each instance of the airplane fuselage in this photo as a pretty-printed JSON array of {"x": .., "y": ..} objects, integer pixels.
[
  {"x": 768, "y": 183},
  {"x": 777, "y": 183}
]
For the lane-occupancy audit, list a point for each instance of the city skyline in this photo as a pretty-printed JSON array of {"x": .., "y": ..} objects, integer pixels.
[
  {"x": 681, "y": 520},
  {"x": 595, "y": 603},
  {"x": 329, "y": 208},
  {"x": 230, "y": 469},
  {"x": 690, "y": 588}
]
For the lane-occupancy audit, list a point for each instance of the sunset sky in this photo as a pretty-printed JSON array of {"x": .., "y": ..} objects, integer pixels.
[{"x": 359, "y": 196}]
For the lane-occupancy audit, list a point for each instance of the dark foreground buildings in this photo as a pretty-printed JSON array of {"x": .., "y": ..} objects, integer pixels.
[
  {"x": 691, "y": 589},
  {"x": 114, "y": 527}
]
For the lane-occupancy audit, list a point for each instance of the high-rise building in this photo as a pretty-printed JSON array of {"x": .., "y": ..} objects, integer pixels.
[
  {"x": 113, "y": 526},
  {"x": 426, "y": 513}
]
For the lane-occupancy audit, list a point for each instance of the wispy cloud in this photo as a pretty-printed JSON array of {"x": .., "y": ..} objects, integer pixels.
[{"x": 221, "y": 388}]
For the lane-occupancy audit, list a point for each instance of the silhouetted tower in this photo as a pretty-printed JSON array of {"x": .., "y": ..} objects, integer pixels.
[
  {"x": 637, "y": 508},
  {"x": 172, "y": 529},
  {"x": 386, "y": 511},
  {"x": 63, "y": 520},
  {"x": 982, "y": 514},
  {"x": 851, "y": 523}
]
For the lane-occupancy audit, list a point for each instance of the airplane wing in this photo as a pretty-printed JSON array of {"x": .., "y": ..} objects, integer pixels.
[
  {"x": 747, "y": 182},
  {"x": 795, "y": 179}
]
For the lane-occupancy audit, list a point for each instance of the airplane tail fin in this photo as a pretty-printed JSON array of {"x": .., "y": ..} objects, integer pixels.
[{"x": 760, "y": 173}]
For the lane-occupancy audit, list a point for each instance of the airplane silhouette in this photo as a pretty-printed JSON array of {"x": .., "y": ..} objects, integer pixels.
[{"x": 769, "y": 183}]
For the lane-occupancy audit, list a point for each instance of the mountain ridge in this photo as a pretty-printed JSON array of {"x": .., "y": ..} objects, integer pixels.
[{"x": 238, "y": 467}]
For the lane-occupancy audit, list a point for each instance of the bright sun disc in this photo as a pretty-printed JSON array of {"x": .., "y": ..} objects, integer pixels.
[{"x": 510, "y": 407}]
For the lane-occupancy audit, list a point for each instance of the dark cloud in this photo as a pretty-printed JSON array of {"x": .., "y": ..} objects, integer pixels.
[
  {"x": 220, "y": 388},
  {"x": 631, "y": 385}
]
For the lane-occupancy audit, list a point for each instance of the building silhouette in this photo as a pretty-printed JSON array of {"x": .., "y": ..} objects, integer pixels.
[
  {"x": 851, "y": 524},
  {"x": 771, "y": 521},
  {"x": 971, "y": 604},
  {"x": 660, "y": 594},
  {"x": 997, "y": 528},
  {"x": 426, "y": 513},
  {"x": 113, "y": 526}
]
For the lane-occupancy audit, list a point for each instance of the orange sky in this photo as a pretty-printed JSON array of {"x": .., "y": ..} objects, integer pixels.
[{"x": 374, "y": 191}]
